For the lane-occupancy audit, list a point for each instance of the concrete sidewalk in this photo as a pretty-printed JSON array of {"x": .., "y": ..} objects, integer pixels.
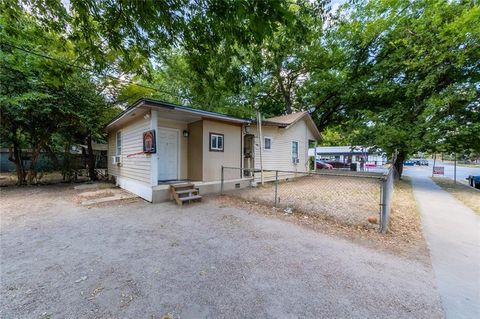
[{"x": 452, "y": 231}]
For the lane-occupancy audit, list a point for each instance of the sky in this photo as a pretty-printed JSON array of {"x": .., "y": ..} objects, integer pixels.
[{"x": 336, "y": 3}]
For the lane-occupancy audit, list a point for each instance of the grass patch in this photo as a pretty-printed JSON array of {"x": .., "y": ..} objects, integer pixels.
[{"x": 466, "y": 194}]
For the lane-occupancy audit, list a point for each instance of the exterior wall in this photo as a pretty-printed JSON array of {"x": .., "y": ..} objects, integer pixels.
[
  {"x": 280, "y": 156},
  {"x": 195, "y": 151},
  {"x": 135, "y": 167},
  {"x": 197, "y": 162},
  {"x": 183, "y": 143},
  {"x": 231, "y": 155}
]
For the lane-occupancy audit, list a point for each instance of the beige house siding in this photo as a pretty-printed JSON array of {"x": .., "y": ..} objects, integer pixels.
[
  {"x": 231, "y": 156},
  {"x": 135, "y": 167},
  {"x": 195, "y": 151},
  {"x": 280, "y": 156},
  {"x": 183, "y": 143}
]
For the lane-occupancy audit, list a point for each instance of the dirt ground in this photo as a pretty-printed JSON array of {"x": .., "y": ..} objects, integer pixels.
[
  {"x": 404, "y": 236},
  {"x": 206, "y": 260},
  {"x": 10, "y": 178},
  {"x": 347, "y": 200}
]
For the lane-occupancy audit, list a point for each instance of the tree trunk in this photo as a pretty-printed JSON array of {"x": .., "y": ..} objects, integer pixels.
[
  {"x": 285, "y": 94},
  {"x": 32, "y": 171},
  {"x": 398, "y": 164},
  {"x": 15, "y": 156},
  {"x": 91, "y": 160}
]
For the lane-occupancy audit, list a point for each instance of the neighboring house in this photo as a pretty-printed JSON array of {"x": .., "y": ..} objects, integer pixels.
[
  {"x": 351, "y": 154},
  {"x": 286, "y": 140},
  {"x": 192, "y": 145}
]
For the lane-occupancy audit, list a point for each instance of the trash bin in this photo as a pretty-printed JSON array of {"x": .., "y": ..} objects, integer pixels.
[{"x": 353, "y": 167}]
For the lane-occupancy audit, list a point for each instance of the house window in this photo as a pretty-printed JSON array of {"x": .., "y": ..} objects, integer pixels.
[
  {"x": 119, "y": 143},
  {"x": 295, "y": 151},
  {"x": 267, "y": 143},
  {"x": 216, "y": 142}
]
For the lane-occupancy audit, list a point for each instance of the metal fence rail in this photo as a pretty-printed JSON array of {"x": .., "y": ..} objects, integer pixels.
[{"x": 348, "y": 197}]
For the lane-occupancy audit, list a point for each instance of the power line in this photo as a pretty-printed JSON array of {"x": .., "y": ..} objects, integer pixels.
[{"x": 86, "y": 69}]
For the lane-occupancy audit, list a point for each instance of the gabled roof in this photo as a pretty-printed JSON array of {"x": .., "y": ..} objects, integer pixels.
[
  {"x": 286, "y": 121},
  {"x": 144, "y": 102}
]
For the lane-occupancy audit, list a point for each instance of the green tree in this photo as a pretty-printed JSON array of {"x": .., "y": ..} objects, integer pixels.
[
  {"x": 420, "y": 67},
  {"x": 41, "y": 98}
]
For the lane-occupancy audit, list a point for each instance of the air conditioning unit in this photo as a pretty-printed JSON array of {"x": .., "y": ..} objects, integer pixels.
[
  {"x": 295, "y": 160},
  {"x": 116, "y": 159}
]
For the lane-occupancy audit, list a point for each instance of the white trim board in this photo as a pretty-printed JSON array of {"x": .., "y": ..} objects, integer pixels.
[
  {"x": 154, "y": 157},
  {"x": 136, "y": 187}
]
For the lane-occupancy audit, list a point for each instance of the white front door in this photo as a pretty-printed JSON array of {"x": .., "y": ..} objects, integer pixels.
[{"x": 167, "y": 154}]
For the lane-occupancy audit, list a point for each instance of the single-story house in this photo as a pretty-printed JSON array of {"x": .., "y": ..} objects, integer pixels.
[
  {"x": 351, "y": 154},
  {"x": 286, "y": 140},
  {"x": 153, "y": 144}
]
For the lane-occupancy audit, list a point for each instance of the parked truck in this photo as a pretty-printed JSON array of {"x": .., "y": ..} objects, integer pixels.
[{"x": 474, "y": 181}]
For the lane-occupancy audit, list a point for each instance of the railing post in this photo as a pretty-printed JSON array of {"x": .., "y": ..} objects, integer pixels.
[
  {"x": 276, "y": 188},
  {"x": 221, "y": 183}
]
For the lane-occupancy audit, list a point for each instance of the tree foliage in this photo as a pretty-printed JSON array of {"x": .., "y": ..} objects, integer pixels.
[
  {"x": 416, "y": 71},
  {"x": 395, "y": 74},
  {"x": 41, "y": 99}
]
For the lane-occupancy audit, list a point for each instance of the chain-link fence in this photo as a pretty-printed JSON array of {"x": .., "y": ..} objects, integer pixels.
[{"x": 352, "y": 198}]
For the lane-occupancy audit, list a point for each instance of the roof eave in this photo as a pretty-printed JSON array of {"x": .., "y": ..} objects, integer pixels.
[{"x": 170, "y": 106}]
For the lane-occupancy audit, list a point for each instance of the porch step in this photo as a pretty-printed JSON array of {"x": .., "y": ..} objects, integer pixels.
[
  {"x": 187, "y": 191},
  {"x": 194, "y": 197},
  {"x": 184, "y": 193},
  {"x": 185, "y": 185}
]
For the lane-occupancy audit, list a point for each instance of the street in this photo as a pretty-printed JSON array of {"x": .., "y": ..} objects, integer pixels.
[{"x": 462, "y": 171}]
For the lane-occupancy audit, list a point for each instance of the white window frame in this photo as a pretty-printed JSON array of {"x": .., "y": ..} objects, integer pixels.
[
  {"x": 118, "y": 147},
  {"x": 216, "y": 137},
  {"x": 265, "y": 138},
  {"x": 298, "y": 145}
]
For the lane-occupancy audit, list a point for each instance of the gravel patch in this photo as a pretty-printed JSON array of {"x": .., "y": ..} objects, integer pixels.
[{"x": 205, "y": 260}]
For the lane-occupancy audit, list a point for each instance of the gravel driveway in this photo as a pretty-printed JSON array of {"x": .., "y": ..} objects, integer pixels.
[{"x": 138, "y": 260}]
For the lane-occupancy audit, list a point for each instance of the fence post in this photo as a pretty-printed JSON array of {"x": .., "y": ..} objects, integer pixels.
[
  {"x": 380, "y": 217},
  {"x": 221, "y": 183},
  {"x": 384, "y": 199},
  {"x": 276, "y": 188}
]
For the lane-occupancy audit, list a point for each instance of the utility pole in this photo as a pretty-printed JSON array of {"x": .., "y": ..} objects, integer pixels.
[
  {"x": 260, "y": 142},
  {"x": 455, "y": 168}
]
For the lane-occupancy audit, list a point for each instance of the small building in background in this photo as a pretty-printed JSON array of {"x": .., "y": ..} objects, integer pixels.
[{"x": 350, "y": 154}]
